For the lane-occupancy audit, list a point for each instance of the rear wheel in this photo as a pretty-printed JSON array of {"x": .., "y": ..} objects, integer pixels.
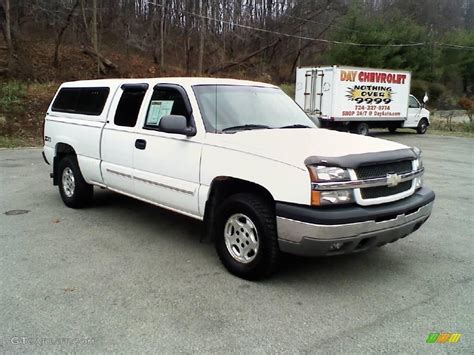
[
  {"x": 392, "y": 129},
  {"x": 422, "y": 126},
  {"x": 246, "y": 237},
  {"x": 74, "y": 190},
  {"x": 360, "y": 128}
]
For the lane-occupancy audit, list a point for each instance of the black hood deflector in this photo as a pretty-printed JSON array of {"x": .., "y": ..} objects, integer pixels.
[{"x": 353, "y": 161}]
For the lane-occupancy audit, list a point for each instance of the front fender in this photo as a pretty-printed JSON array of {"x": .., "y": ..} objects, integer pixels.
[{"x": 284, "y": 182}]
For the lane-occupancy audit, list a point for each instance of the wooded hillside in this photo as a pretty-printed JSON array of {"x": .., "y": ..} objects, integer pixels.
[{"x": 55, "y": 40}]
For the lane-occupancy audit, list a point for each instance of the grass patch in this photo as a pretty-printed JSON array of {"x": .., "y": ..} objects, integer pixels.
[
  {"x": 12, "y": 97},
  {"x": 22, "y": 110},
  {"x": 437, "y": 131},
  {"x": 19, "y": 142},
  {"x": 289, "y": 89},
  {"x": 450, "y": 133},
  {"x": 459, "y": 129}
]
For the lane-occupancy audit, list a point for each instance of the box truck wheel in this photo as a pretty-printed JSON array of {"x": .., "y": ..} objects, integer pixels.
[
  {"x": 392, "y": 129},
  {"x": 361, "y": 128},
  {"x": 422, "y": 126}
]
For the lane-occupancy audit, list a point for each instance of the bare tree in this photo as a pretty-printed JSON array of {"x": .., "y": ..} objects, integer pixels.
[
  {"x": 201, "y": 38},
  {"x": 61, "y": 33},
  {"x": 162, "y": 36},
  {"x": 95, "y": 37},
  {"x": 8, "y": 32}
]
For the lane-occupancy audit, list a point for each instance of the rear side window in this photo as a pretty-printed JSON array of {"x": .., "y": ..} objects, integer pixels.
[
  {"x": 129, "y": 105},
  {"x": 85, "y": 101}
]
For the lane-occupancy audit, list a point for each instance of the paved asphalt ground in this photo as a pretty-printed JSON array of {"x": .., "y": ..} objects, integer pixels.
[{"x": 126, "y": 276}]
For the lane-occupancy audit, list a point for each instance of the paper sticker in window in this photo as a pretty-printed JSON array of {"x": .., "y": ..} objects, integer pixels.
[{"x": 158, "y": 109}]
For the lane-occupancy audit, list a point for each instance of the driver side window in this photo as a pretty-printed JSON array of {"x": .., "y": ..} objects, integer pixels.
[
  {"x": 164, "y": 102},
  {"x": 413, "y": 103}
]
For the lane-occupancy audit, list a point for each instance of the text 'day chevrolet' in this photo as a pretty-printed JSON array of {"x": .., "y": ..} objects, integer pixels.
[{"x": 242, "y": 157}]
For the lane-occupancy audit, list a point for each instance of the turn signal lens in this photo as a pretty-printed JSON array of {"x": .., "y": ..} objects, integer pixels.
[{"x": 315, "y": 198}]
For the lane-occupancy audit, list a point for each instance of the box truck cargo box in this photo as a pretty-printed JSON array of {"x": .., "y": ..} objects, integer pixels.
[{"x": 359, "y": 98}]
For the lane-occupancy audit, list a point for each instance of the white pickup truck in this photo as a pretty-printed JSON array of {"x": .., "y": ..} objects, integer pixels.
[{"x": 242, "y": 157}]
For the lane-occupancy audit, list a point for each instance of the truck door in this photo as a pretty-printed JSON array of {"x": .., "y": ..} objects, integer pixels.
[
  {"x": 118, "y": 141},
  {"x": 167, "y": 164},
  {"x": 414, "y": 112}
]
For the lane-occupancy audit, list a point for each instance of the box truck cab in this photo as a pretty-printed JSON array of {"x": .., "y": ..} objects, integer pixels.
[{"x": 357, "y": 99}]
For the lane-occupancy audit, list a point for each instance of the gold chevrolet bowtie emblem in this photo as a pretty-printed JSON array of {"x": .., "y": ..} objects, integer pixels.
[{"x": 393, "y": 179}]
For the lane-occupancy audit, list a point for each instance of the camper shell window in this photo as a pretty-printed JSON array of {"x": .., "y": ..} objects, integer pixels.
[{"x": 85, "y": 101}]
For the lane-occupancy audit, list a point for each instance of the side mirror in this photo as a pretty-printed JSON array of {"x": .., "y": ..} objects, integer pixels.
[
  {"x": 176, "y": 124},
  {"x": 425, "y": 98}
]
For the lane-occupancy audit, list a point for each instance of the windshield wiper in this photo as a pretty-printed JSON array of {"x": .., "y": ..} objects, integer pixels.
[
  {"x": 245, "y": 127},
  {"x": 296, "y": 126}
]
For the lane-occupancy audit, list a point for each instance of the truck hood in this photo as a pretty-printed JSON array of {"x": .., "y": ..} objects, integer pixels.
[{"x": 293, "y": 146}]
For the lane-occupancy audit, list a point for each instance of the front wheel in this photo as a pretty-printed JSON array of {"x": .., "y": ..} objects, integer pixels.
[
  {"x": 422, "y": 126},
  {"x": 74, "y": 190},
  {"x": 246, "y": 236}
]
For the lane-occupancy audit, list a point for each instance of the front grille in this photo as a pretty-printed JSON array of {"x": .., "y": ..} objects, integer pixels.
[
  {"x": 383, "y": 191},
  {"x": 381, "y": 170}
]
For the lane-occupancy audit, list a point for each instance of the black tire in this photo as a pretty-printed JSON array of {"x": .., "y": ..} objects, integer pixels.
[
  {"x": 81, "y": 194},
  {"x": 261, "y": 214},
  {"x": 392, "y": 129},
  {"x": 360, "y": 128},
  {"x": 422, "y": 126}
]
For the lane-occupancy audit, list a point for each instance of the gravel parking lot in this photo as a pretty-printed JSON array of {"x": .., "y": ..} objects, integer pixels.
[{"x": 126, "y": 276}]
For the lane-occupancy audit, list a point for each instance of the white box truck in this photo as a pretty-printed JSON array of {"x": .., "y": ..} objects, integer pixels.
[{"x": 356, "y": 99}]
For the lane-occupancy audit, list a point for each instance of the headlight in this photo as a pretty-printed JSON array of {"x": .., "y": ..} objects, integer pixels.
[
  {"x": 337, "y": 196},
  {"x": 329, "y": 174},
  {"x": 419, "y": 182},
  {"x": 418, "y": 164}
]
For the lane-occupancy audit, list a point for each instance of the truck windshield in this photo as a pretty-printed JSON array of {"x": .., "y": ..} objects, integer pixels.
[{"x": 230, "y": 108}]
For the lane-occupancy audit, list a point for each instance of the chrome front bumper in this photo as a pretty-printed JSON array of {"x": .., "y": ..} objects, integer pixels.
[{"x": 313, "y": 239}]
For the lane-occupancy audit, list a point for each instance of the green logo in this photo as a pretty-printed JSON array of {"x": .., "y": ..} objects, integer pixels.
[{"x": 443, "y": 338}]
